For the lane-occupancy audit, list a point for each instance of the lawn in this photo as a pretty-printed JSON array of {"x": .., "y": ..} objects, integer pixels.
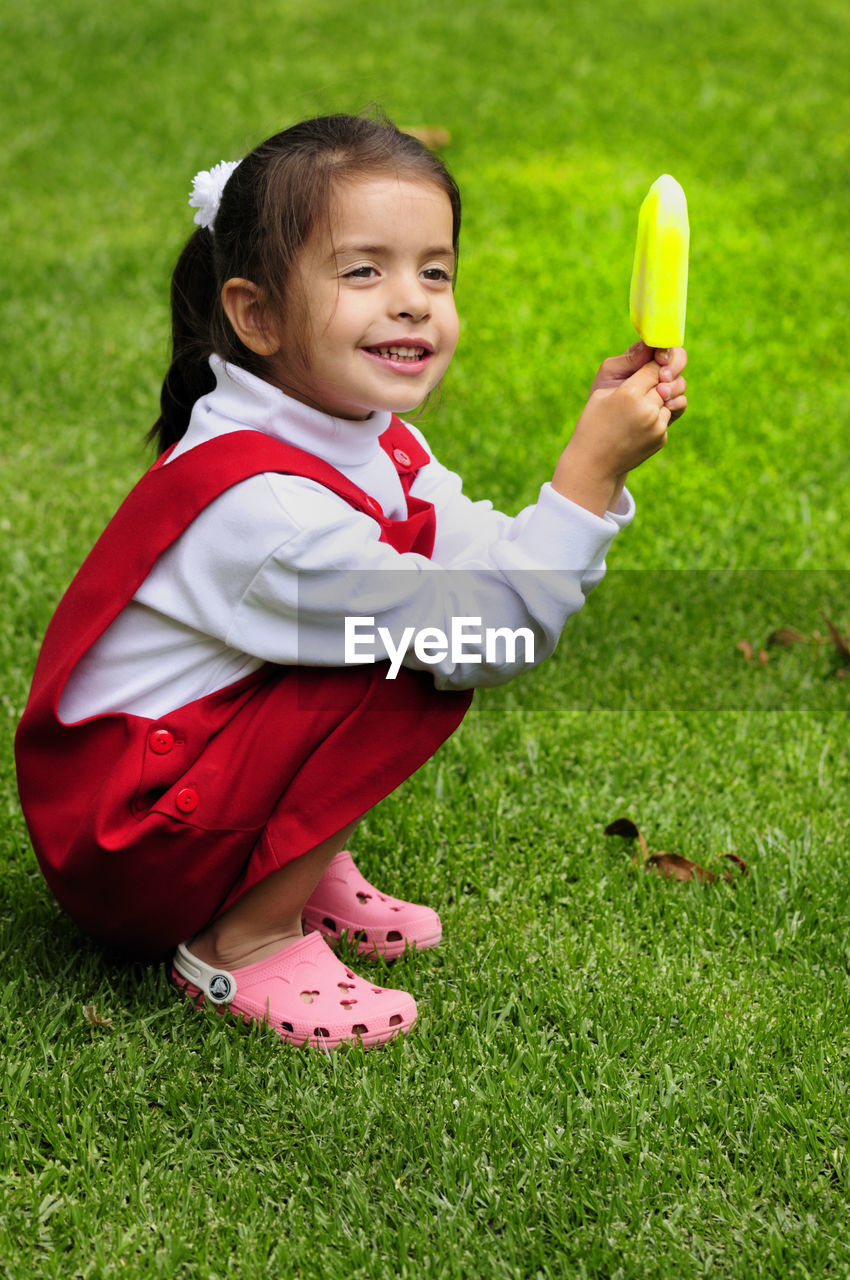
[{"x": 614, "y": 1075}]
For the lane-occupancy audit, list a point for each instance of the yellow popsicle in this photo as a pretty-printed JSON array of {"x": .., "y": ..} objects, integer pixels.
[{"x": 659, "y": 292}]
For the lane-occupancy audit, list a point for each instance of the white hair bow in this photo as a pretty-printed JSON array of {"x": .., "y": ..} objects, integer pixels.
[{"x": 207, "y": 187}]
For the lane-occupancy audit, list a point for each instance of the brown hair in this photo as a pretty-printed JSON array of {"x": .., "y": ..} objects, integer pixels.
[{"x": 269, "y": 207}]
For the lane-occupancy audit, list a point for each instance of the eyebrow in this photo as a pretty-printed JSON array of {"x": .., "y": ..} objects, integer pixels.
[{"x": 375, "y": 250}]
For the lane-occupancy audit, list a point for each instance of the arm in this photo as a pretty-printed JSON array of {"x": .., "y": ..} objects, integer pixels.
[{"x": 555, "y": 533}]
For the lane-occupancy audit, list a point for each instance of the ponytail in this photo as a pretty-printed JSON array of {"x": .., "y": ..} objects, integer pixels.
[{"x": 193, "y": 297}]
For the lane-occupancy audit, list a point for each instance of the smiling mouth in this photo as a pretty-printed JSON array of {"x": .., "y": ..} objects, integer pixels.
[{"x": 398, "y": 352}]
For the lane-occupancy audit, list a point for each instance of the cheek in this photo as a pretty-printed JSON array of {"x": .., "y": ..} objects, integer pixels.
[
  {"x": 344, "y": 319},
  {"x": 452, "y": 331}
]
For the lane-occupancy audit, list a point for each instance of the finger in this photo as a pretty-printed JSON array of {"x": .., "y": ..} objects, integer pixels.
[
  {"x": 677, "y": 407},
  {"x": 674, "y": 361},
  {"x": 670, "y": 390}
]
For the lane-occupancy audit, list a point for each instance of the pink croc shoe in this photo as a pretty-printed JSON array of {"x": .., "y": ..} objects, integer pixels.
[
  {"x": 304, "y": 992},
  {"x": 345, "y": 902}
]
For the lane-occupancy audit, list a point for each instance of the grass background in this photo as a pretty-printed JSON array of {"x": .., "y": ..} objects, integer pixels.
[{"x": 613, "y": 1076}]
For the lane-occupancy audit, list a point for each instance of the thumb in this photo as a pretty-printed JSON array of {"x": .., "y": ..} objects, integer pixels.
[
  {"x": 638, "y": 355},
  {"x": 645, "y": 377}
]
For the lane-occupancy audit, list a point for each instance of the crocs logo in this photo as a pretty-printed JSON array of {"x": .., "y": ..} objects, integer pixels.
[{"x": 219, "y": 986}]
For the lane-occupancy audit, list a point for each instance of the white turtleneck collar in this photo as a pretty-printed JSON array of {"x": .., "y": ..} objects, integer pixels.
[{"x": 241, "y": 400}]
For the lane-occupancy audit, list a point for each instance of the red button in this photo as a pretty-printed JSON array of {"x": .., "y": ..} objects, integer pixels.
[
  {"x": 161, "y": 741},
  {"x": 401, "y": 457},
  {"x": 186, "y": 799},
  {"x": 374, "y": 507}
]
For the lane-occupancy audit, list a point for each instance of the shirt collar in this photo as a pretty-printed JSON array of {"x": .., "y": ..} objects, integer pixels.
[{"x": 241, "y": 399}]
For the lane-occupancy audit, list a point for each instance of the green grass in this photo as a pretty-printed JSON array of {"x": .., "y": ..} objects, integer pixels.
[{"x": 613, "y": 1075}]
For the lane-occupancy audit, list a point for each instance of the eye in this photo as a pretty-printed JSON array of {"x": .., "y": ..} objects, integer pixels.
[
  {"x": 438, "y": 274},
  {"x": 360, "y": 273}
]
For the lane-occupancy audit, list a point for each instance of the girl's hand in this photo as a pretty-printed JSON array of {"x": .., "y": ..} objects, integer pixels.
[
  {"x": 632, "y": 401},
  {"x": 614, "y": 371}
]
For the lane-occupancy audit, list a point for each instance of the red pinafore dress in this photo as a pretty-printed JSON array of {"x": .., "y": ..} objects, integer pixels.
[{"x": 145, "y": 830}]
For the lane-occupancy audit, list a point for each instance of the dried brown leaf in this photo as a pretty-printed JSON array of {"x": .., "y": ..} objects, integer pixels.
[
  {"x": 746, "y": 649},
  {"x": 672, "y": 865},
  {"x": 838, "y": 640},
  {"x": 764, "y": 657},
  {"x": 622, "y": 827},
  {"x": 739, "y": 863},
  {"x": 675, "y": 867},
  {"x": 626, "y": 828},
  {"x": 786, "y": 636},
  {"x": 95, "y": 1019}
]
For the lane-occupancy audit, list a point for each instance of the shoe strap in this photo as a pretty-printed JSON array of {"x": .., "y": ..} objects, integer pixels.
[{"x": 218, "y": 985}]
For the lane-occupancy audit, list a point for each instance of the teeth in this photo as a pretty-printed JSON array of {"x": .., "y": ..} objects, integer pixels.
[{"x": 400, "y": 353}]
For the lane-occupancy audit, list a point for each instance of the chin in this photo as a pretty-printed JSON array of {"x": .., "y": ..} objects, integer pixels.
[{"x": 417, "y": 401}]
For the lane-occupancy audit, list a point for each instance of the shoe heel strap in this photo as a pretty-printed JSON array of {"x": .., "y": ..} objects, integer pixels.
[{"x": 218, "y": 985}]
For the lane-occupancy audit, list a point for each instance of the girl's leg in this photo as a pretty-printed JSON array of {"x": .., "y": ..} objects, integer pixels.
[{"x": 268, "y": 916}]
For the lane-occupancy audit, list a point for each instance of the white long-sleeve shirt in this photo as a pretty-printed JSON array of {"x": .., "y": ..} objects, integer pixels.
[{"x": 271, "y": 569}]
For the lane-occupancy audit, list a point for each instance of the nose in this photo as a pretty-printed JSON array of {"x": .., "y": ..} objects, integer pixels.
[{"x": 410, "y": 300}]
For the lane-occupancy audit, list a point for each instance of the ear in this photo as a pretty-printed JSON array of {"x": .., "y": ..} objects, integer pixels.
[{"x": 244, "y": 307}]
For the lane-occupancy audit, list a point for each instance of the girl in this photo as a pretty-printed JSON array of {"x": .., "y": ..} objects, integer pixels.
[{"x": 200, "y": 741}]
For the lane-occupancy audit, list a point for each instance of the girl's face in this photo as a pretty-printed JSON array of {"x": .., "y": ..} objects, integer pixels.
[{"x": 382, "y": 324}]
